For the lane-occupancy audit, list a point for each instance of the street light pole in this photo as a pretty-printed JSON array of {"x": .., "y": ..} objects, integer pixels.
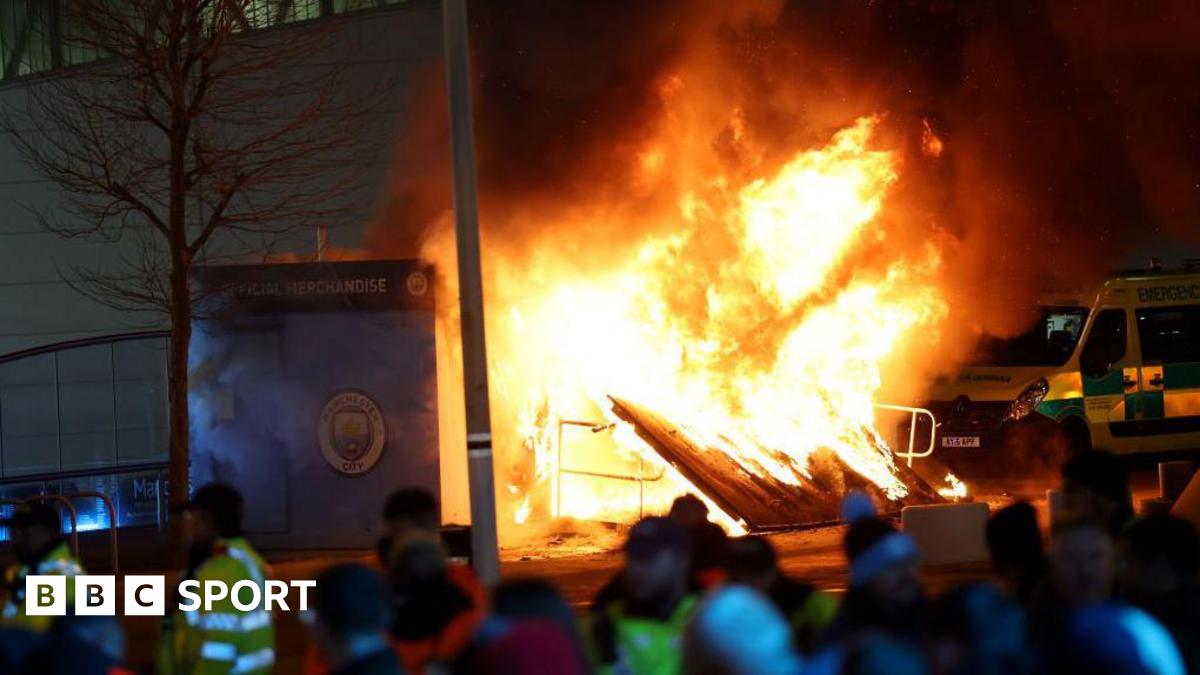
[{"x": 484, "y": 551}]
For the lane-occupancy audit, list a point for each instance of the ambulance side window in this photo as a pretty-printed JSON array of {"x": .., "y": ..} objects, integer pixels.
[
  {"x": 1169, "y": 334},
  {"x": 1106, "y": 344}
]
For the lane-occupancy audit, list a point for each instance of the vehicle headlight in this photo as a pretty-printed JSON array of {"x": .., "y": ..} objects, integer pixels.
[{"x": 1028, "y": 400}]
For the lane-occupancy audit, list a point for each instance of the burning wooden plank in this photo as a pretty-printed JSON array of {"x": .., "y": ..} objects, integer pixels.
[{"x": 757, "y": 498}]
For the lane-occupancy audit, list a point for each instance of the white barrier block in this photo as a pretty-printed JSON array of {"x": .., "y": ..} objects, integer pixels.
[
  {"x": 1188, "y": 504},
  {"x": 1056, "y": 501},
  {"x": 948, "y": 533}
]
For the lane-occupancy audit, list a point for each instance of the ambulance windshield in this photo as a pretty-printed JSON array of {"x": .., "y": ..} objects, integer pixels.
[{"x": 1048, "y": 342}]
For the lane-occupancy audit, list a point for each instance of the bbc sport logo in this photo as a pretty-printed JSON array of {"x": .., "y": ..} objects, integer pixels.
[{"x": 146, "y": 595}]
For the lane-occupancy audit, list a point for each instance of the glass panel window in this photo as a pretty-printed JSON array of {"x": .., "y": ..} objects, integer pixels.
[
  {"x": 1170, "y": 334},
  {"x": 26, "y": 45}
]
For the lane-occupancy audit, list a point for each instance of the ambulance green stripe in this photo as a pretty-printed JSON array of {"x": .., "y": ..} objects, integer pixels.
[
  {"x": 1181, "y": 376},
  {"x": 1152, "y": 404},
  {"x": 1061, "y": 408}
]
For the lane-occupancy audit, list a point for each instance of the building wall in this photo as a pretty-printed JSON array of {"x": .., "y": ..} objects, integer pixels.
[
  {"x": 38, "y": 306},
  {"x": 58, "y": 411}
]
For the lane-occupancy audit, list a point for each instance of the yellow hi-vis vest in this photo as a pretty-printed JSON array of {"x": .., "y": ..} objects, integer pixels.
[
  {"x": 223, "y": 639},
  {"x": 58, "y": 561}
]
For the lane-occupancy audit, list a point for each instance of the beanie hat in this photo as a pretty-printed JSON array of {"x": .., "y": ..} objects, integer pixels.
[
  {"x": 1117, "y": 638},
  {"x": 737, "y": 630},
  {"x": 655, "y": 534},
  {"x": 872, "y": 545}
]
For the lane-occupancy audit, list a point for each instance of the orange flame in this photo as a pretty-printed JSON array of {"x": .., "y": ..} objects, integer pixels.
[{"x": 769, "y": 348}]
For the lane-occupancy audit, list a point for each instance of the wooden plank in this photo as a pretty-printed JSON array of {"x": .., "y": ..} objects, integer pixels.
[{"x": 758, "y": 499}]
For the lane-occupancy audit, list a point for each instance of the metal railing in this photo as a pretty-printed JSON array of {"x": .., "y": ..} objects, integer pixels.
[
  {"x": 112, "y": 520},
  {"x": 914, "y": 413},
  {"x": 596, "y": 427}
]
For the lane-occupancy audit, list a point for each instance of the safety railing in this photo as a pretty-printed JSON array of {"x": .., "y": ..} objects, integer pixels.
[
  {"x": 914, "y": 414},
  {"x": 597, "y": 427},
  {"x": 112, "y": 521}
]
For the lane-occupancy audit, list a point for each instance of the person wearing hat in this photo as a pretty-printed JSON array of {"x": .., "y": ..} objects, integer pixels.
[
  {"x": 222, "y": 639},
  {"x": 40, "y": 549},
  {"x": 350, "y": 621},
  {"x": 641, "y": 631},
  {"x": 885, "y": 588},
  {"x": 738, "y": 631},
  {"x": 753, "y": 562}
]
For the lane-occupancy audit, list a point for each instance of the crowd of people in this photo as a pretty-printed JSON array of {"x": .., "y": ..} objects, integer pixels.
[{"x": 1111, "y": 593}]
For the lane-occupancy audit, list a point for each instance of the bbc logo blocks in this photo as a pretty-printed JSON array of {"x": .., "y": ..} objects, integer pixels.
[{"x": 146, "y": 595}]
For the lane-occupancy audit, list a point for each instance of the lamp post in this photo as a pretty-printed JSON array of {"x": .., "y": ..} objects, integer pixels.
[{"x": 484, "y": 550}]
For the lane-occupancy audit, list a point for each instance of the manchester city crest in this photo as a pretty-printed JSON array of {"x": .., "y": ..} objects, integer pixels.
[{"x": 352, "y": 432}]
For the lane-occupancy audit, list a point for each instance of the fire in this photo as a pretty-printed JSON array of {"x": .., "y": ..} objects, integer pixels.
[
  {"x": 747, "y": 321},
  {"x": 955, "y": 489}
]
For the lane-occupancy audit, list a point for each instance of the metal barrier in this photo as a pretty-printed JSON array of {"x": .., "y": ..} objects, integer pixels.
[
  {"x": 112, "y": 520},
  {"x": 70, "y": 512},
  {"x": 641, "y": 479},
  {"x": 914, "y": 413}
]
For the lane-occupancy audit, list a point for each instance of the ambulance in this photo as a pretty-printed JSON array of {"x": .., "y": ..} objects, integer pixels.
[{"x": 1120, "y": 374}]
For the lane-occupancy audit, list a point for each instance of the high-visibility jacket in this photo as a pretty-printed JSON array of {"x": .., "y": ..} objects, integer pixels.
[
  {"x": 641, "y": 645},
  {"x": 58, "y": 561},
  {"x": 222, "y": 640}
]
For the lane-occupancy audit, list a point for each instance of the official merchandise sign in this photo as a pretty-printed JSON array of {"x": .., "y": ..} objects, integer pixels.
[{"x": 352, "y": 432}]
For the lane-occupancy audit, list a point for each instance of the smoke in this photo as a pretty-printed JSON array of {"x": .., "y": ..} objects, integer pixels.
[
  {"x": 1069, "y": 133},
  {"x": 1071, "y": 130}
]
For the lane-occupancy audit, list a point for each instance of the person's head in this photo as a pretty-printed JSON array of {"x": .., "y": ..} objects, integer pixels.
[
  {"x": 1015, "y": 543},
  {"x": 883, "y": 562},
  {"x": 1115, "y": 639},
  {"x": 351, "y": 611},
  {"x": 1162, "y": 557},
  {"x": 688, "y": 510},
  {"x": 531, "y": 598},
  {"x": 417, "y": 563},
  {"x": 710, "y": 550},
  {"x": 976, "y": 629},
  {"x": 657, "y": 560},
  {"x": 216, "y": 511},
  {"x": 36, "y": 528},
  {"x": 738, "y": 631},
  {"x": 1082, "y": 561},
  {"x": 537, "y": 599},
  {"x": 410, "y": 513},
  {"x": 1096, "y": 487},
  {"x": 752, "y": 562}
]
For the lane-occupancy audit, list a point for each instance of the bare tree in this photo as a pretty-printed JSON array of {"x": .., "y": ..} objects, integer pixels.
[{"x": 189, "y": 128}]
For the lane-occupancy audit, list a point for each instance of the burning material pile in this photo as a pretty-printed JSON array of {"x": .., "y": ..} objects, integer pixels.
[
  {"x": 747, "y": 324},
  {"x": 753, "y": 220}
]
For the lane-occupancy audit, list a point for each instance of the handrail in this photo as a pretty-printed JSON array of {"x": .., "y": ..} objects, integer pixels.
[
  {"x": 912, "y": 430},
  {"x": 112, "y": 520},
  {"x": 641, "y": 479},
  {"x": 70, "y": 512},
  {"x": 83, "y": 342}
]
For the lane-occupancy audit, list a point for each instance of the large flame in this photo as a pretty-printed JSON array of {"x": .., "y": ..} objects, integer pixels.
[{"x": 745, "y": 322}]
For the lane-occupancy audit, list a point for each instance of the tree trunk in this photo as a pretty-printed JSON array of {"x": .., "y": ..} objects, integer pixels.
[{"x": 179, "y": 454}]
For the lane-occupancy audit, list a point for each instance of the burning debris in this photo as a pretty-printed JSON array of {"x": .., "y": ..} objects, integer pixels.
[
  {"x": 761, "y": 218},
  {"x": 757, "y": 499}
]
